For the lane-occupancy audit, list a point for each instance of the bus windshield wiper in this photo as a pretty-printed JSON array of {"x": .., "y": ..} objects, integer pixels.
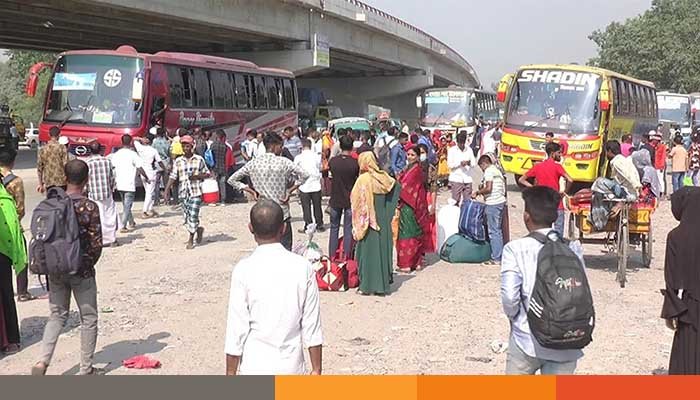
[
  {"x": 542, "y": 120},
  {"x": 442, "y": 114}
]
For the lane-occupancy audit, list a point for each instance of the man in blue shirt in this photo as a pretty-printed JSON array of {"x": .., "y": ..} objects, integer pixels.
[{"x": 398, "y": 155}]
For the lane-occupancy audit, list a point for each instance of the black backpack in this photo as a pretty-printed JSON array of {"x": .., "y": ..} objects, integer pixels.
[
  {"x": 384, "y": 153},
  {"x": 55, "y": 245},
  {"x": 560, "y": 313}
]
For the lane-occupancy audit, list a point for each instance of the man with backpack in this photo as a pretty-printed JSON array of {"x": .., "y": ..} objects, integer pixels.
[
  {"x": 398, "y": 156},
  {"x": 75, "y": 272},
  {"x": 545, "y": 293}
]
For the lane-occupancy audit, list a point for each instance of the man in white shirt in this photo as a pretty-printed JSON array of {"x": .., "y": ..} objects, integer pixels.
[
  {"x": 310, "y": 190},
  {"x": 460, "y": 160},
  {"x": 494, "y": 191},
  {"x": 270, "y": 321},
  {"x": 126, "y": 165},
  {"x": 151, "y": 162},
  {"x": 518, "y": 275}
]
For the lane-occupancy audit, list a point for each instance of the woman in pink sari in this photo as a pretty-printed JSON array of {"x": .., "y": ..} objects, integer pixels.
[{"x": 414, "y": 218}]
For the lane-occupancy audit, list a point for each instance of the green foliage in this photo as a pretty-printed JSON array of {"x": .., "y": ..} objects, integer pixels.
[
  {"x": 13, "y": 75},
  {"x": 661, "y": 45}
]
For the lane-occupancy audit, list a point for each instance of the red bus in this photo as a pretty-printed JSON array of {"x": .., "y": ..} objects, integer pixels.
[{"x": 105, "y": 94}]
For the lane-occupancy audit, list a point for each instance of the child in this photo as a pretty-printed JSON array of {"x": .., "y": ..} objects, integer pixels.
[{"x": 679, "y": 157}]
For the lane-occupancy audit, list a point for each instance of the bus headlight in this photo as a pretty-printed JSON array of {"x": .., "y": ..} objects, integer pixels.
[
  {"x": 507, "y": 148},
  {"x": 591, "y": 155}
]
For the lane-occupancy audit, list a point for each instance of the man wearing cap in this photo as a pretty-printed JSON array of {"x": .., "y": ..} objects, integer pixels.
[
  {"x": 189, "y": 170},
  {"x": 100, "y": 189}
]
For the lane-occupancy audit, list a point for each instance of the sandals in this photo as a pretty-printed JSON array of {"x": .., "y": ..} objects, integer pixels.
[
  {"x": 25, "y": 297},
  {"x": 11, "y": 349},
  {"x": 491, "y": 263}
]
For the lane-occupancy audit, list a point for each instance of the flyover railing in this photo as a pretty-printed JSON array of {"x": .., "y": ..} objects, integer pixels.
[{"x": 436, "y": 44}]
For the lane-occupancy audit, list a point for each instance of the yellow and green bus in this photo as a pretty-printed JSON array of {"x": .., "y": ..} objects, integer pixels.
[{"x": 583, "y": 106}]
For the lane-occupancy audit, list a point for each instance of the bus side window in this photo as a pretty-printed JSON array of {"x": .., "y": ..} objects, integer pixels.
[
  {"x": 642, "y": 109},
  {"x": 260, "y": 93},
  {"x": 280, "y": 92},
  {"x": 252, "y": 93},
  {"x": 624, "y": 103},
  {"x": 656, "y": 104},
  {"x": 272, "y": 95},
  {"x": 175, "y": 86},
  {"x": 242, "y": 93},
  {"x": 202, "y": 89},
  {"x": 295, "y": 98},
  {"x": 186, "y": 88},
  {"x": 616, "y": 95},
  {"x": 222, "y": 89},
  {"x": 288, "y": 95}
]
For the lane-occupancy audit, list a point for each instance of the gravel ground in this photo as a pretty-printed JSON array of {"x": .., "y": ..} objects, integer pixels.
[{"x": 158, "y": 299}]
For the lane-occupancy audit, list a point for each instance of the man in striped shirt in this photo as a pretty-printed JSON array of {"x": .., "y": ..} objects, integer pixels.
[{"x": 100, "y": 190}]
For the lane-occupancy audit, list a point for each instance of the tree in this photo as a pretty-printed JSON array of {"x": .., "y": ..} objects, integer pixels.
[
  {"x": 661, "y": 45},
  {"x": 13, "y": 75}
]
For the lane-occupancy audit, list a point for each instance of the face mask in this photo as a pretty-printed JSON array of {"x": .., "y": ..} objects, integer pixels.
[{"x": 423, "y": 158}]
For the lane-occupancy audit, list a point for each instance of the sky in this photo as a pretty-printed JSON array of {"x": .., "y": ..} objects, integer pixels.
[{"x": 497, "y": 36}]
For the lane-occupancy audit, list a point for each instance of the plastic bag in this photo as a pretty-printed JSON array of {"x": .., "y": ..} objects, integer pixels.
[{"x": 308, "y": 249}]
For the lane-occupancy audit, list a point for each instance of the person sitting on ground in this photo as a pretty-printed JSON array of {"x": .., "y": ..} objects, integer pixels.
[{"x": 270, "y": 321}]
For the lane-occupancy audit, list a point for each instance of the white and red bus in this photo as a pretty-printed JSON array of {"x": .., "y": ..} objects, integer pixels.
[{"x": 105, "y": 94}]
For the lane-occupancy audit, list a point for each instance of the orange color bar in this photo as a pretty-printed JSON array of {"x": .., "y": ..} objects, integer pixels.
[
  {"x": 626, "y": 387},
  {"x": 487, "y": 387},
  {"x": 346, "y": 387}
]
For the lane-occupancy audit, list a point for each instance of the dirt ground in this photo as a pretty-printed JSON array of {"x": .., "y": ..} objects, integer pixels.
[{"x": 158, "y": 299}]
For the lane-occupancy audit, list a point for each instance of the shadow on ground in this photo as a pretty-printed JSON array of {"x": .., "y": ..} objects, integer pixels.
[{"x": 112, "y": 355}]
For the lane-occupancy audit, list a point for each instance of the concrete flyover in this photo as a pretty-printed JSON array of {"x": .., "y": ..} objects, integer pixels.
[{"x": 356, "y": 53}]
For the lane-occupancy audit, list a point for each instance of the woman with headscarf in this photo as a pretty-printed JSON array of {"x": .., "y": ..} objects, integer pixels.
[
  {"x": 12, "y": 253},
  {"x": 326, "y": 147},
  {"x": 373, "y": 201},
  {"x": 681, "y": 308},
  {"x": 651, "y": 186},
  {"x": 430, "y": 175},
  {"x": 413, "y": 214}
]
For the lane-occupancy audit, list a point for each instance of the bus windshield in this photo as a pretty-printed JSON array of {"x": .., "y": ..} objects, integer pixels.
[
  {"x": 556, "y": 101},
  {"x": 95, "y": 90},
  {"x": 446, "y": 107},
  {"x": 674, "y": 109}
]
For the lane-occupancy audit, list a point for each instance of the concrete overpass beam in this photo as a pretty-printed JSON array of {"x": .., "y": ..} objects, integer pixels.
[
  {"x": 300, "y": 62},
  {"x": 371, "y": 88},
  {"x": 353, "y": 95}
]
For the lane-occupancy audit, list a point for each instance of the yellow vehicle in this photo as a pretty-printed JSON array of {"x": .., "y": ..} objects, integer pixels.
[{"x": 583, "y": 106}]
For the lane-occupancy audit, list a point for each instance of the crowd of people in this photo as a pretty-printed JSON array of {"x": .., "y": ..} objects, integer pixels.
[{"x": 382, "y": 188}]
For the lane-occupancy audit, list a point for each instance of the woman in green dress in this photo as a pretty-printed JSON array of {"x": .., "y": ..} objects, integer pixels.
[{"x": 373, "y": 200}]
